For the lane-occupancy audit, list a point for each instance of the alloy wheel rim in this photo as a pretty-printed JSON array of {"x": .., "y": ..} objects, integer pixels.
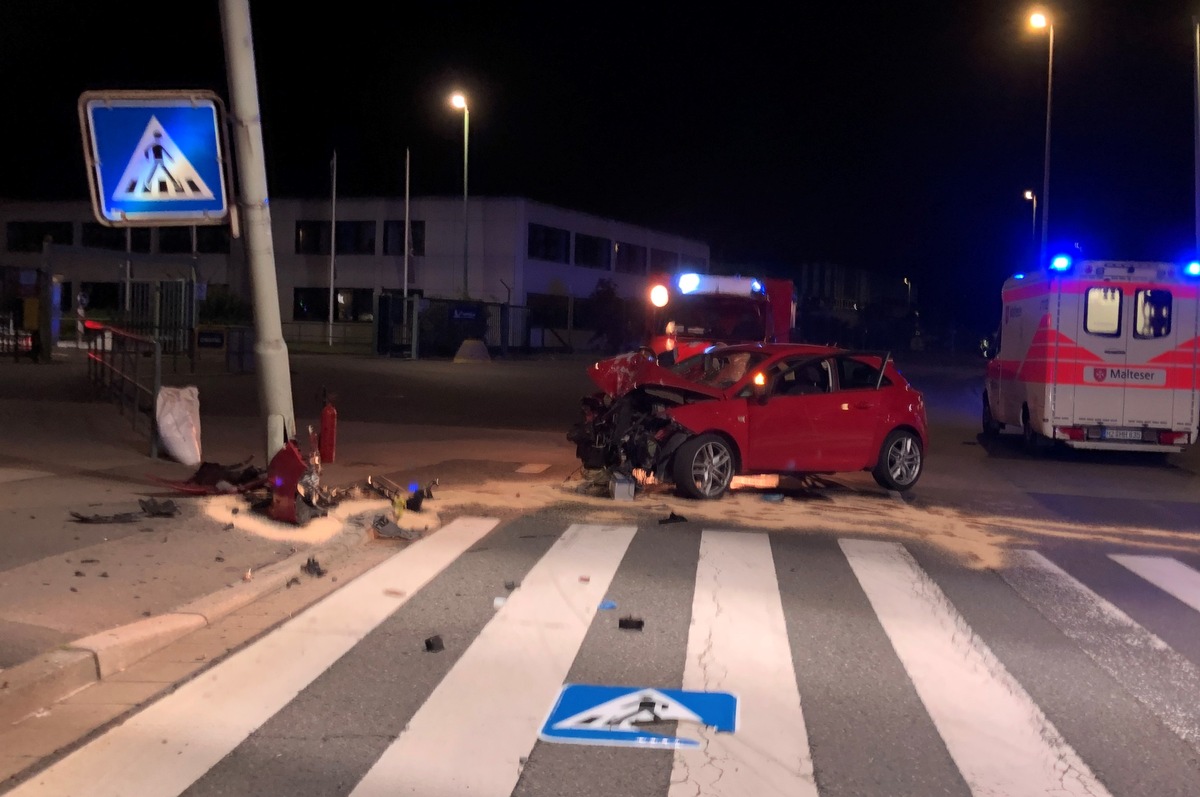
[
  {"x": 711, "y": 468},
  {"x": 904, "y": 461}
]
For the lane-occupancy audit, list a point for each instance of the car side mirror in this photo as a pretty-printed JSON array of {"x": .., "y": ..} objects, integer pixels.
[{"x": 987, "y": 347}]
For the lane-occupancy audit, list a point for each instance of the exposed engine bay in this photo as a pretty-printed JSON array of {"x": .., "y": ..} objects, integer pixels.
[{"x": 632, "y": 433}]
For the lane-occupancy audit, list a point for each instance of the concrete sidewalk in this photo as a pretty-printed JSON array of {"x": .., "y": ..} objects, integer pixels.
[{"x": 82, "y": 601}]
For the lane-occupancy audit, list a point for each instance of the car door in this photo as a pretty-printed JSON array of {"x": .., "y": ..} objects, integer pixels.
[
  {"x": 787, "y": 430},
  {"x": 858, "y": 412}
]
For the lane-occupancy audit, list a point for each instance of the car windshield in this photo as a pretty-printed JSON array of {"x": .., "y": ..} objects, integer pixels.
[
  {"x": 719, "y": 368},
  {"x": 717, "y": 316}
]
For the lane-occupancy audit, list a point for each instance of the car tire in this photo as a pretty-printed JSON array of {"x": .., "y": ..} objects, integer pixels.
[
  {"x": 704, "y": 466},
  {"x": 901, "y": 461},
  {"x": 991, "y": 427}
]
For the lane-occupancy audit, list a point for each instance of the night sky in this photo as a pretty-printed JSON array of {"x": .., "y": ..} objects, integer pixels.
[{"x": 897, "y": 138}]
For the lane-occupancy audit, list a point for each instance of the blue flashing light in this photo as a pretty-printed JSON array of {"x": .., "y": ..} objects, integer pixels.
[
  {"x": 756, "y": 286},
  {"x": 1061, "y": 263},
  {"x": 413, "y": 487},
  {"x": 1192, "y": 269},
  {"x": 688, "y": 282},
  {"x": 1018, "y": 276}
]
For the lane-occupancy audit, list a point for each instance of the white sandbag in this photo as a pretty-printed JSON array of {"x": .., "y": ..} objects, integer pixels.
[{"x": 178, "y": 415}]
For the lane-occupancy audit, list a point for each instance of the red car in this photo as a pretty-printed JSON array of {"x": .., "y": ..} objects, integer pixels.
[{"x": 746, "y": 409}]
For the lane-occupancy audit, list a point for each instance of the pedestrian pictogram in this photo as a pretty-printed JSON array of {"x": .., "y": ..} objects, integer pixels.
[
  {"x": 623, "y": 716},
  {"x": 158, "y": 170},
  {"x": 155, "y": 158}
]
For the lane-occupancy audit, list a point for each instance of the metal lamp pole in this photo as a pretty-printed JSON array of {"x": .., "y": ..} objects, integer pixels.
[
  {"x": 460, "y": 101},
  {"x": 1032, "y": 197},
  {"x": 1041, "y": 21}
]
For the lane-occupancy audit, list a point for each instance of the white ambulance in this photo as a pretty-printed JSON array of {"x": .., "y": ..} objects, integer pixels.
[{"x": 1098, "y": 354}]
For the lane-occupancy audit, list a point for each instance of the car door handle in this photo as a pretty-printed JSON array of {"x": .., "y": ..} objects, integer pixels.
[
  {"x": 863, "y": 405},
  {"x": 1114, "y": 351}
]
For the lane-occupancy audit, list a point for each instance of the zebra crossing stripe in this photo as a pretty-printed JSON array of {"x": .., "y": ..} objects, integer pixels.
[
  {"x": 999, "y": 738},
  {"x": 1149, "y": 669},
  {"x": 738, "y": 643},
  {"x": 481, "y": 721},
  {"x": 1171, "y": 576},
  {"x": 161, "y": 751}
]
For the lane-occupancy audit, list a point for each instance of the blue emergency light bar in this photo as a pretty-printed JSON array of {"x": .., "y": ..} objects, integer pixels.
[
  {"x": 1192, "y": 269},
  {"x": 1061, "y": 263},
  {"x": 711, "y": 283}
]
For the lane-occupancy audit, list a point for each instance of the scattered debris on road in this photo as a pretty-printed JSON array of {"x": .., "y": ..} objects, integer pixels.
[
  {"x": 384, "y": 526},
  {"x": 511, "y": 585},
  {"x": 293, "y": 582},
  {"x": 672, "y": 518},
  {"x": 155, "y": 508},
  {"x": 312, "y": 567},
  {"x": 499, "y": 601},
  {"x": 433, "y": 644},
  {"x": 607, "y": 605},
  {"x": 630, "y": 623}
]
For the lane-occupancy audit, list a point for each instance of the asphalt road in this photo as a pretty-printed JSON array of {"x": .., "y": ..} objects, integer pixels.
[{"x": 1015, "y": 625}]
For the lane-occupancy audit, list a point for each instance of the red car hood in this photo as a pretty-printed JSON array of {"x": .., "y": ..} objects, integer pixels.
[{"x": 618, "y": 375}]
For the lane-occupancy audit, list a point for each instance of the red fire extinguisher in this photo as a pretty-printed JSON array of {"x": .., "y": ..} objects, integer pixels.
[{"x": 328, "y": 431}]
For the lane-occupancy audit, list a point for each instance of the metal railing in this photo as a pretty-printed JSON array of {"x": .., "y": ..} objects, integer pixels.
[{"x": 127, "y": 368}]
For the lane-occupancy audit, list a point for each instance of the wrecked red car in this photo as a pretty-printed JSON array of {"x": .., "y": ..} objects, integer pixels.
[{"x": 787, "y": 409}]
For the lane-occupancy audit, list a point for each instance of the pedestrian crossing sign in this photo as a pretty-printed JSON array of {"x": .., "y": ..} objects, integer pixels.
[
  {"x": 623, "y": 715},
  {"x": 155, "y": 158}
]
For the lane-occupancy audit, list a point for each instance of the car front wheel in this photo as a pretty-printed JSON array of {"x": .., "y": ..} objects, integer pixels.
[
  {"x": 900, "y": 461},
  {"x": 704, "y": 466}
]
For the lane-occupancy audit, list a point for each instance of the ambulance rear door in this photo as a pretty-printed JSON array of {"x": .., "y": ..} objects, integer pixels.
[
  {"x": 1099, "y": 353},
  {"x": 1153, "y": 336}
]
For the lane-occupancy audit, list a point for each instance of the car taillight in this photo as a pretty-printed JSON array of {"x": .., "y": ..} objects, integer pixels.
[
  {"x": 1171, "y": 438},
  {"x": 1072, "y": 432}
]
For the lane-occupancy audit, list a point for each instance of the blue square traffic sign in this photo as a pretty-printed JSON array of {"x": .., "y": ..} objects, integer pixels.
[{"x": 155, "y": 158}]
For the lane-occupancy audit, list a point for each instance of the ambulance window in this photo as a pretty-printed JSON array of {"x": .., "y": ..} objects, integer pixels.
[
  {"x": 1153, "y": 318},
  {"x": 1103, "y": 311}
]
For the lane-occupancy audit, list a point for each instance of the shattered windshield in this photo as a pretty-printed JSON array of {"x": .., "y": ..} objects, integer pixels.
[{"x": 719, "y": 368}]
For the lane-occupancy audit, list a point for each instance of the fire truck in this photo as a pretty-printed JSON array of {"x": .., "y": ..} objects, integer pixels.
[
  {"x": 1098, "y": 354},
  {"x": 690, "y": 312}
]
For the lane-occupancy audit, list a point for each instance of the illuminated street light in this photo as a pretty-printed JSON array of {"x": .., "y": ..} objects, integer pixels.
[
  {"x": 1032, "y": 197},
  {"x": 1040, "y": 21},
  {"x": 459, "y": 101}
]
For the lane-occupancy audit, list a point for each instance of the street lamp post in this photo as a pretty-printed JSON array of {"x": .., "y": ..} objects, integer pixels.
[
  {"x": 1040, "y": 20},
  {"x": 1032, "y": 197},
  {"x": 460, "y": 101}
]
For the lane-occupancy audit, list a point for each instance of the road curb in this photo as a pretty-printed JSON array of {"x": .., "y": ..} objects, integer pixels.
[{"x": 54, "y": 676}]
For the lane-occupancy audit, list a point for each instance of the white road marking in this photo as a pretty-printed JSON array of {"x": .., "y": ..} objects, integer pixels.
[
  {"x": 1145, "y": 666},
  {"x": 165, "y": 748},
  {"x": 533, "y": 467},
  {"x": 1172, "y": 577},
  {"x": 470, "y": 736},
  {"x": 738, "y": 643},
  {"x": 1002, "y": 743}
]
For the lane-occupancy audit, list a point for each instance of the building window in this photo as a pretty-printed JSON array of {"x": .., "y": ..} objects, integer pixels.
[
  {"x": 213, "y": 240},
  {"x": 28, "y": 236},
  {"x": 98, "y": 236},
  {"x": 661, "y": 260},
  {"x": 631, "y": 259},
  {"x": 1103, "y": 315},
  {"x": 174, "y": 240},
  {"x": 312, "y": 238},
  {"x": 1153, "y": 314},
  {"x": 549, "y": 243},
  {"x": 393, "y": 237},
  {"x": 356, "y": 237},
  {"x": 350, "y": 304},
  {"x": 592, "y": 252},
  {"x": 354, "y": 304},
  {"x": 310, "y": 304}
]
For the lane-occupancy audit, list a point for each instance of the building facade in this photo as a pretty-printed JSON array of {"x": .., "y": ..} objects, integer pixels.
[{"x": 518, "y": 251}]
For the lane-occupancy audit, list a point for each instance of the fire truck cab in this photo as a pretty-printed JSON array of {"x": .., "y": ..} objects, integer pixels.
[
  {"x": 1098, "y": 354},
  {"x": 690, "y": 312}
]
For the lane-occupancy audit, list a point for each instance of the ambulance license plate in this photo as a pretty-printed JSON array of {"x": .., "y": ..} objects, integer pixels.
[{"x": 1122, "y": 434}]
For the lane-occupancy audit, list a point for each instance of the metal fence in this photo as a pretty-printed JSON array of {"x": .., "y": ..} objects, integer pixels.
[{"x": 126, "y": 368}]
